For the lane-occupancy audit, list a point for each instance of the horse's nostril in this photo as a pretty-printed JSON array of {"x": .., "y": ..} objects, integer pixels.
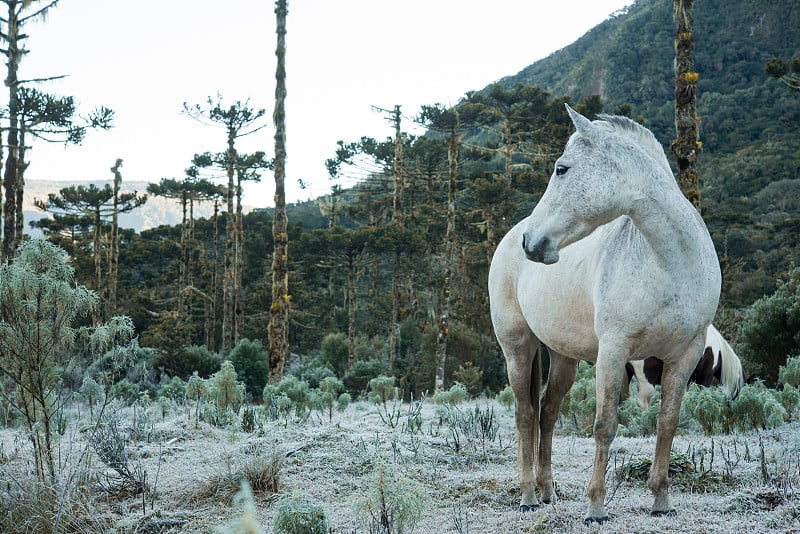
[{"x": 523, "y": 240}]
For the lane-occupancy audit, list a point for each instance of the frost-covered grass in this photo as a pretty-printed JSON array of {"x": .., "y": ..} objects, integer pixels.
[{"x": 440, "y": 468}]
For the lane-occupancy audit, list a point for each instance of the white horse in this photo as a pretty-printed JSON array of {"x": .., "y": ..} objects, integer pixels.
[
  {"x": 613, "y": 265},
  {"x": 719, "y": 361}
]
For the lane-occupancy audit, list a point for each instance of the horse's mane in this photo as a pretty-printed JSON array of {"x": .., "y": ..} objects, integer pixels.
[{"x": 638, "y": 133}]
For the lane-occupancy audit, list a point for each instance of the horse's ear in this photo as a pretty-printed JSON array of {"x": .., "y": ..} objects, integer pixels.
[{"x": 583, "y": 125}]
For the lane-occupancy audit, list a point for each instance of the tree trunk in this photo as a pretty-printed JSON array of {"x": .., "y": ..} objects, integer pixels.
[
  {"x": 211, "y": 304},
  {"x": 397, "y": 169},
  {"x": 113, "y": 258},
  {"x": 686, "y": 145},
  {"x": 450, "y": 239},
  {"x": 229, "y": 276},
  {"x": 179, "y": 307},
  {"x": 14, "y": 55},
  {"x": 279, "y": 310},
  {"x": 238, "y": 310},
  {"x": 98, "y": 257}
]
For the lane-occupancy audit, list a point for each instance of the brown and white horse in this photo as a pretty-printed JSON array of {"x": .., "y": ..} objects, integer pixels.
[{"x": 719, "y": 361}]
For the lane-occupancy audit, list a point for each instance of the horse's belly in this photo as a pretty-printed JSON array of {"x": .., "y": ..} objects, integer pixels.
[{"x": 558, "y": 307}]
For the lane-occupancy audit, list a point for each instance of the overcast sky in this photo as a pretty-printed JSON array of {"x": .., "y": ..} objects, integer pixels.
[{"x": 144, "y": 59}]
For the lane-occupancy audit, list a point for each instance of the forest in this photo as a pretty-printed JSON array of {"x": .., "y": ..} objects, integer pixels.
[{"x": 112, "y": 337}]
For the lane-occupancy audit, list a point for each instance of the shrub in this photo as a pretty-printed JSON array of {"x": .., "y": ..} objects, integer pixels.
[
  {"x": 333, "y": 352},
  {"x": 251, "y": 362},
  {"x": 299, "y": 513},
  {"x": 789, "y": 374},
  {"x": 770, "y": 331},
  {"x": 187, "y": 360},
  {"x": 382, "y": 389},
  {"x": 224, "y": 390},
  {"x": 709, "y": 407},
  {"x": 357, "y": 379},
  {"x": 579, "y": 404},
  {"x": 506, "y": 397},
  {"x": 175, "y": 389},
  {"x": 789, "y": 397},
  {"x": 295, "y": 391},
  {"x": 756, "y": 407},
  {"x": 126, "y": 391},
  {"x": 392, "y": 503},
  {"x": 328, "y": 394},
  {"x": 455, "y": 395},
  {"x": 315, "y": 373},
  {"x": 470, "y": 376}
]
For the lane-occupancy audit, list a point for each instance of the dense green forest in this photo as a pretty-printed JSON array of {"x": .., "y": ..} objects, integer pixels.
[{"x": 372, "y": 267}]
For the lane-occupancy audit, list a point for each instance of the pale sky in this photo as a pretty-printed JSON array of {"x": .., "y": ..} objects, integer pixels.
[{"x": 144, "y": 59}]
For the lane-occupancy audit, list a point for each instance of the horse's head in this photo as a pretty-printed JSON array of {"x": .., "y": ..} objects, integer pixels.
[{"x": 591, "y": 185}]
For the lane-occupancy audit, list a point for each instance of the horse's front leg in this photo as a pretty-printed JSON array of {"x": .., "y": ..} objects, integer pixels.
[
  {"x": 608, "y": 378},
  {"x": 674, "y": 379},
  {"x": 559, "y": 380}
]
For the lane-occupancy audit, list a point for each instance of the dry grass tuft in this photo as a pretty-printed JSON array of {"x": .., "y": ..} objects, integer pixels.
[{"x": 261, "y": 471}]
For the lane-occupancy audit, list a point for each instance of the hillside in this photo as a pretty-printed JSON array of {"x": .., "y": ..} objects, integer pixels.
[{"x": 750, "y": 124}]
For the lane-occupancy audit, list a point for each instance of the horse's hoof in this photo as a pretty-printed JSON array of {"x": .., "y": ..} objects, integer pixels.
[
  {"x": 525, "y": 508},
  {"x": 663, "y": 513},
  {"x": 599, "y": 520}
]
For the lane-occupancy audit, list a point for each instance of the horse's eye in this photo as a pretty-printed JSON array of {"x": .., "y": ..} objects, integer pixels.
[{"x": 561, "y": 170}]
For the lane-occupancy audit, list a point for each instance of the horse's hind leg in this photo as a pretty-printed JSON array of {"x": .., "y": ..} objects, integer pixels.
[
  {"x": 559, "y": 380},
  {"x": 523, "y": 363}
]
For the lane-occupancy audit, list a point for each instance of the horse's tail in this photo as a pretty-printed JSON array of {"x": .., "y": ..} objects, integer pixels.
[
  {"x": 536, "y": 401},
  {"x": 732, "y": 375}
]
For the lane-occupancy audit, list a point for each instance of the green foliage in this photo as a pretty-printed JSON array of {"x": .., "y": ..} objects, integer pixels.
[
  {"x": 635, "y": 422},
  {"x": 580, "y": 403},
  {"x": 709, "y": 407},
  {"x": 770, "y": 331},
  {"x": 92, "y": 392},
  {"x": 40, "y": 304},
  {"x": 325, "y": 397},
  {"x": 184, "y": 361},
  {"x": 455, "y": 395},
  {"x": 175, "y": 389},
  {"x": 392, "y": 503},
  {"x": 126, "y": 391},
  {"x": 470, "y": 376},
  {"x": 334, "y": 352},
  {"x": 343, "y": 401},
  {"x": 224, "y": 390},
  {"x": 506, "y": 397},
  {"x": 251, "y": 362},
  {"x": 299, "y": 513},
  {"x": 361, "y": 373},
  {"x": 756, "y": 407},
  {"x": 382, "y": 389},
  {"x": 289, "y": 392},
  {"x": 789, "y": 374},
  {"x": 789, "y": 397}
]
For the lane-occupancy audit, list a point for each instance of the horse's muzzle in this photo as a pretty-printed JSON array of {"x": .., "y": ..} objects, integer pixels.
[{"x": 540, "y": 251}]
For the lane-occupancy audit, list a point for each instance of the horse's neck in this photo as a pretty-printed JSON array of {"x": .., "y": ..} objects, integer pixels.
[{"x": 671, "y": 227}]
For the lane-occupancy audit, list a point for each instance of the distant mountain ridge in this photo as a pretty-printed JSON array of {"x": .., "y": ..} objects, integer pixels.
[{"x": 156, "y": 211}]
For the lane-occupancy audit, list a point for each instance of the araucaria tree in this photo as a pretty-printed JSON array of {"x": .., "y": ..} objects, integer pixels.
[
  {"x": 238, "y": 119},
  {"x": 279, "y": 310},
  {"x": 686, "y": 145},
  {"x": 39, "y": 302},
  {"x": 31, "y": 113},
  {"x": 93, "y": 206}
]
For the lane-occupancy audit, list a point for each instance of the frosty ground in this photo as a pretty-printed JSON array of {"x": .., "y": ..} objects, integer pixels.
[{"x": 738, "y": 483}]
